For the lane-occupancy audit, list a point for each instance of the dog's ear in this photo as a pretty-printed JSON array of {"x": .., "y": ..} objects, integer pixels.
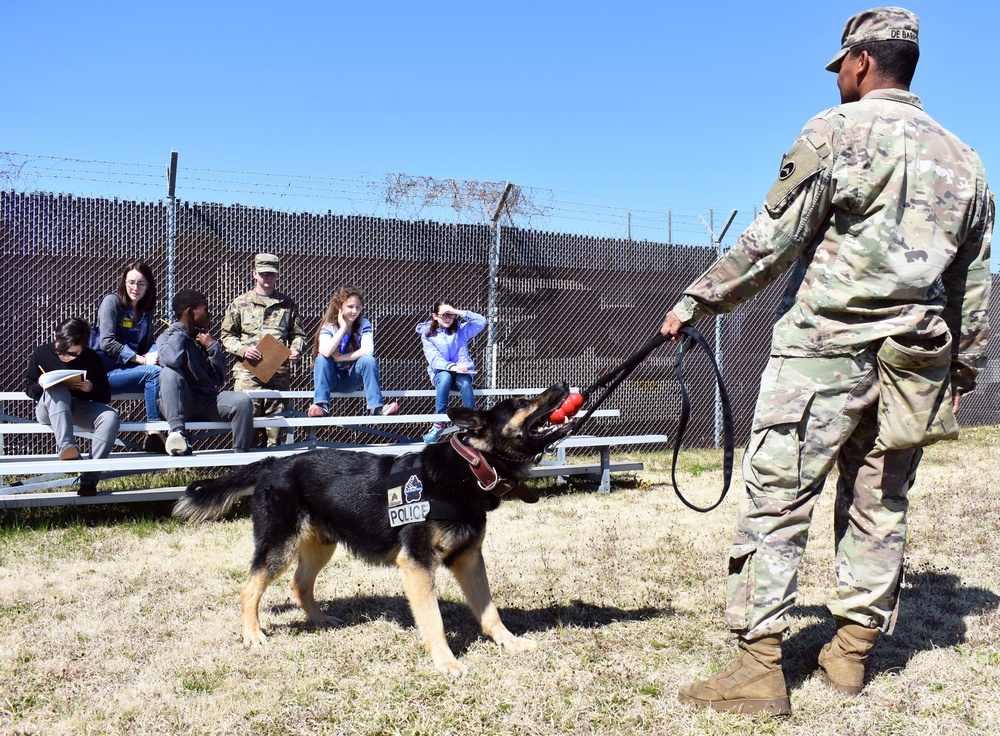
[{"x": 470, "y": 419}]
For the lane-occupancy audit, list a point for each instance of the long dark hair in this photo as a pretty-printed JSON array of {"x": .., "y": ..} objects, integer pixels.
[
  {"x": 435, "y": 325},
  {"x": 340, "y": 295},
  {"x": 147, "y": 303}
]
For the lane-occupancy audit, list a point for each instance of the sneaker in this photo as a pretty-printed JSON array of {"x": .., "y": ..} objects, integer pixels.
[
  {"x": 87, "y": 487},
  {"x": 434, "y": 433},
  {"x": 390, "y": 409},
  {"x": 154, "y": 444},
  {"x": 177, "y": 444},
  {"x": 69, "y": 453},
  {"x": 317, "y": 410}
]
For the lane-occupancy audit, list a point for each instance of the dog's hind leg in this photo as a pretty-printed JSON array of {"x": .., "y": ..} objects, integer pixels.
[
  {"x": 313, "y": 556},
  {"x": 421, "y": 591},
  {"x": 469, "y": 569},
  {"x": 267, "y": 566}
]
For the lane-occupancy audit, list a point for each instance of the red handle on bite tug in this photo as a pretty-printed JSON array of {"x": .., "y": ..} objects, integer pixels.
[{"x": 570, "y": 406}]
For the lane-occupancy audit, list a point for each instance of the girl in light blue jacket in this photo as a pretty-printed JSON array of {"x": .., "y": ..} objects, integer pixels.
[{"x": 445, "y": 340}]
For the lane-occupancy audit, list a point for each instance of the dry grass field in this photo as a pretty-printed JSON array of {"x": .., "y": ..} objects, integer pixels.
[{"x": 124, "y": 621}]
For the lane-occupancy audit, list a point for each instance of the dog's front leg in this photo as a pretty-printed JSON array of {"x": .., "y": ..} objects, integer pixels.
[
  {"x": 418, "y": 583},
  {"x": 469, "y": 569}
]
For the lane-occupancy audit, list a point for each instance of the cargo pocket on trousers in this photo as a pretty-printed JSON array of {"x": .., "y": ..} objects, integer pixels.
[
  {"x": 773, "y": 455},
  {"x": 915, "y": 393},
  {"x": 740, "y": 586}
]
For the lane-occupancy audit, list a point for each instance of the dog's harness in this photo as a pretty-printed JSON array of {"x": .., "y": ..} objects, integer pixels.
[
  {"x": 487, "y": 477},
  {"x": 689, "y": 337}
]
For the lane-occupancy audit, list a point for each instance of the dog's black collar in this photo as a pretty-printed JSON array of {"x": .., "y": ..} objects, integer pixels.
[{"x": 486, "y": 476}]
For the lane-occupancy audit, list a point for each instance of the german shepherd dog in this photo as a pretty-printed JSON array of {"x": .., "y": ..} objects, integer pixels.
[{"x": 419, "y": 511}]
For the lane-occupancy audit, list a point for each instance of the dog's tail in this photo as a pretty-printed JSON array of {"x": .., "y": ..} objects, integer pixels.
[{"x": 209, "y": 499}]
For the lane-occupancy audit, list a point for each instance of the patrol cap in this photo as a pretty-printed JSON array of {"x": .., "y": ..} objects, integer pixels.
[
  {"x": 877, "y": 24},
  {"x": 266, "y": 263}
]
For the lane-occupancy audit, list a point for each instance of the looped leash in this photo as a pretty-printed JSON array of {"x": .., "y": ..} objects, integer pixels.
[
  {"x": 689, "y": 337},
  {"x": 692, "y": 337}
]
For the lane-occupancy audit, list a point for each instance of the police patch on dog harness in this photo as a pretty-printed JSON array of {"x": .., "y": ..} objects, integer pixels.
[
  {"x": 405, "y": 497},
  {"x": 406, "y": 503}
]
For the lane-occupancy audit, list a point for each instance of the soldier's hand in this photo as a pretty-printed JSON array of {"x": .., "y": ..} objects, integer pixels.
[
  {"x": 293, "y": 357},
  {"x": 671, "y": 326},
  {"x": 253, "y": 353}
]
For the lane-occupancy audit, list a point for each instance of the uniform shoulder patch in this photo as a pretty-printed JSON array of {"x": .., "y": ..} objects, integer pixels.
[{"x": 797, "y": 166}]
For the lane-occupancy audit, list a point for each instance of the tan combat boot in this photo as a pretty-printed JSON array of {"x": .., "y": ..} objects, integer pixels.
[
  {"x": 842, "y": 661},
  {"x": 753, "y": 684}
]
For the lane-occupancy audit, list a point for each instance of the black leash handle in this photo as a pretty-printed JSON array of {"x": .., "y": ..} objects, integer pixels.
[{"x": 689, "y": 337}]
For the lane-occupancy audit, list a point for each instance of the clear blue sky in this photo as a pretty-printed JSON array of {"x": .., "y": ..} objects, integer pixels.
[{"x": 645, "y": 104}]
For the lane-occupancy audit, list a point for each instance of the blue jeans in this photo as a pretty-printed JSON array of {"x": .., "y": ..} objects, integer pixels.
[
  {"x": 135, "y": 379},
  {"x": 362, "y": 373},
  {"x": 443, "y": 382}
]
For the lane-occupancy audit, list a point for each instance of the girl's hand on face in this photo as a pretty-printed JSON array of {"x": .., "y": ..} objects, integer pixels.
[{"x": 342, "y": 320}]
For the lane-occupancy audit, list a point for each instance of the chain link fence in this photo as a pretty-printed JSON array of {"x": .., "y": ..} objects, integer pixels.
[{"x": 567, "y": 306}]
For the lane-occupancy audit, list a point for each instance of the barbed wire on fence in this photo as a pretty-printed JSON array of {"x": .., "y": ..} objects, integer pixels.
[{"x": 396, "y": 195}]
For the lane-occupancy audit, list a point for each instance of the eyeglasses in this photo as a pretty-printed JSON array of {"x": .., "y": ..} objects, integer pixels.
[
  {"x": 74, "y": 350},
  {"x": 137, "y": 284}
]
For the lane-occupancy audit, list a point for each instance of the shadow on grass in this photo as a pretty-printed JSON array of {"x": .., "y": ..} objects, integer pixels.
[
  {"x": 461, "y": 627},
  {"x": 932, "y": 609},
  {"x": 97, "y": 515}
]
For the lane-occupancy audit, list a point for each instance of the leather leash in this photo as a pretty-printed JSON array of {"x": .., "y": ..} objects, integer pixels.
[{"x": 689, "y": 337}]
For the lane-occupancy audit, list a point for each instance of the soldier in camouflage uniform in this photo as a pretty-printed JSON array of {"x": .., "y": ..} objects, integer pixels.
[
  {"x": 249, "y": 317},
  {"x": 885, "y": 219}
]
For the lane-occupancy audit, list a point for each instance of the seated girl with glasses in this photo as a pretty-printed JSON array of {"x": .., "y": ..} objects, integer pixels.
[
  {"x": 78, "y": 399},
  {"x": 123, "y": 337}
]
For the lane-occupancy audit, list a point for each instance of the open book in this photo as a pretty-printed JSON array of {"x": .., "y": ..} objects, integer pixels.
[{"x": 52, "y": 378}]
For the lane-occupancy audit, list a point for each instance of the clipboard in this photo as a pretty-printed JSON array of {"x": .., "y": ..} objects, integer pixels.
[{"x": 275, "y": 354}]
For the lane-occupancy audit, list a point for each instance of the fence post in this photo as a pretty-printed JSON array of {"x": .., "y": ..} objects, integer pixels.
[
  {"x": 719, "y": 252},
  {"x": 492, "y": 311},
  {"x": 171, "y": 228}
]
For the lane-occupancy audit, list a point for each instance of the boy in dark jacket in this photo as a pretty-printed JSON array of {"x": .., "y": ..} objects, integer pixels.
[
  {"x": 193, "y": 371},
  {"x": 76, "y": 401}
]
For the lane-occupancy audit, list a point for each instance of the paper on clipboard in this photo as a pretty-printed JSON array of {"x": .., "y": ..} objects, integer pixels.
[{"x": 274, "y": 355}]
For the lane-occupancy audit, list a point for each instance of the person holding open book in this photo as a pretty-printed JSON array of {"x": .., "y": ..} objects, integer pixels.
[
  {"x": 445, "y": 339},
  {"x": 68, "y": 381}
]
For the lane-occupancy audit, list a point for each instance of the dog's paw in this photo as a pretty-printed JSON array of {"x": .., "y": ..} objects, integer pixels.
[
  {"x": 452, "y": 668},
  {"x": 254, "y": 639},
  {"x": 518, "y": 644}
]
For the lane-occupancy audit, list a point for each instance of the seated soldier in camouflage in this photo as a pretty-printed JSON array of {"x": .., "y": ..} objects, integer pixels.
[{"x": 249, "y": 317}]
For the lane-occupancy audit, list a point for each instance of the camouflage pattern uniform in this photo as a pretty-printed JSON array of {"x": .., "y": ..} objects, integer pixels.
[
  {"x": 886, "y": 220},
  {"x": 248, "y": 318}
]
